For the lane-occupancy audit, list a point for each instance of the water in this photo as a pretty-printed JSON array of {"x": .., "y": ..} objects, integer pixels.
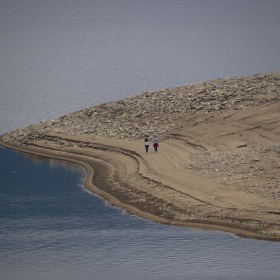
[
  {"x": 51, "y": 228},
  {"x": 60, "y": 56}
]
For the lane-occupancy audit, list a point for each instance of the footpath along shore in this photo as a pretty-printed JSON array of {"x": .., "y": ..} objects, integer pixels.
[{"x": 218, "y": 162}]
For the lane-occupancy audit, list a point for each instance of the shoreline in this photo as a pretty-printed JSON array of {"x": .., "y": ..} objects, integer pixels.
[
  {"x": 218, "y": 161},
  {"x": 98, "y": 187}
]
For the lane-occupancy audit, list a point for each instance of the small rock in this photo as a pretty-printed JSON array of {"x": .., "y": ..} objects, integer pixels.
[{"x": 241, "y": 145}]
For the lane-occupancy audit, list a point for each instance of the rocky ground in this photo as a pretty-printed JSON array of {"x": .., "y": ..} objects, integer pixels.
[
  {"x": 163, "y": 111},
  {"x": 227, "y": 131},
  {"x": 255, "y": 169}
]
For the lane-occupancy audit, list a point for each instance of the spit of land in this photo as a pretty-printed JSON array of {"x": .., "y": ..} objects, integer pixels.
[{"x": 218, "y": 161}]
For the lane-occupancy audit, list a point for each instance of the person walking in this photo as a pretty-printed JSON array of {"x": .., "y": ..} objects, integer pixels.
[
  {"x": 155, "y": 144},
  {"x": 146, "y": 143}
]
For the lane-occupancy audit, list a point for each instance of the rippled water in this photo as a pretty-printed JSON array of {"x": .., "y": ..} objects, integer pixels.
[
  {"x": 51, "y": 228},
  {"x": 58, "y": 56}
]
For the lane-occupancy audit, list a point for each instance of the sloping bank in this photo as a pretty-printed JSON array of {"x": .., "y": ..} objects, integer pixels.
[{"x": 218, "y": 162}]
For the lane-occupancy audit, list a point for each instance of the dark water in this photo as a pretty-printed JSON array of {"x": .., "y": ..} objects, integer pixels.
[
  {"x": 58, "y": 56},
  {"x": 51, "y": 228}
]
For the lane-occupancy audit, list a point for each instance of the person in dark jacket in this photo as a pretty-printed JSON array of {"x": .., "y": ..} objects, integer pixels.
[{"x": 146, "y": 143}]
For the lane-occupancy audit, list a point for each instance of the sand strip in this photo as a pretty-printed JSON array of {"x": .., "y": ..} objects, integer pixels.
[{"x": 153, "y": 187}]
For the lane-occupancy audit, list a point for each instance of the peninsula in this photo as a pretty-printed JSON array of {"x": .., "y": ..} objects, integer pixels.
[{"x": 218, "y": 160}]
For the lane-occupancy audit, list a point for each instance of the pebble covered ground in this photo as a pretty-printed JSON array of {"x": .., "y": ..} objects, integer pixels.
[
  {"x": 241, "y": 167},
  {"x": 162, "y": 111}
]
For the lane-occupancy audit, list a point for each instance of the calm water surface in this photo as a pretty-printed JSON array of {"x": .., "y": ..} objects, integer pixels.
[
  {"x": 51, "y": 228},
  {"x": 58, "y": 56}
]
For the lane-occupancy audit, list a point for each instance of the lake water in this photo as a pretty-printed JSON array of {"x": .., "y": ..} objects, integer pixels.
[
  {"x": 58, "y": 56},
  {"x": 51, "y": 228}
]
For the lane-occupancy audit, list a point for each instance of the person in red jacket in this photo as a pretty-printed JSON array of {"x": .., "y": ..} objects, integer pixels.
[{"x": 155, "y": 144}]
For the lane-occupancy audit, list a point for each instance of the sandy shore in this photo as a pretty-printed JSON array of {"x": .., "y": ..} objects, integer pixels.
[{"x": 220, "y": 171}]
